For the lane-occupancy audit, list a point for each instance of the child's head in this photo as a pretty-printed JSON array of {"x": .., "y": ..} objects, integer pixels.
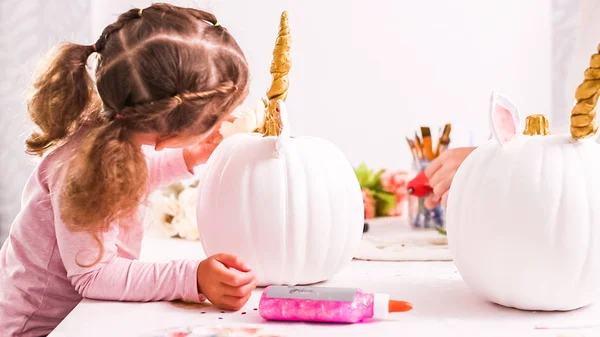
[{"x": 166, "y": 72}]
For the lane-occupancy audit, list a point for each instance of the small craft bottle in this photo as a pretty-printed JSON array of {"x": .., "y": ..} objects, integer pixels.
[{"x": 323, "y": 304}]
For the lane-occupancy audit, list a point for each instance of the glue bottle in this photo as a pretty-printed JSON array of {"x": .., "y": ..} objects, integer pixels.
[
  {"x": 419, "y": 186},
  {"x": 323, "y": 304}
]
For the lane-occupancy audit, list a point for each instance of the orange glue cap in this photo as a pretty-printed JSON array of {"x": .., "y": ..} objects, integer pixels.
[
  {"x": 382, "y": 306},
  {"x": 399, "y": 306}
]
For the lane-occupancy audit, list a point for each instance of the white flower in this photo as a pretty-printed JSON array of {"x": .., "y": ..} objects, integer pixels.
[
  {"x": 165, "y": 209},
  {"x": 187, "y": 202},
  {"x": 247, "y": 120},
  {"x": 185, "y": 227},
  {"x": 174, "y": 211}
]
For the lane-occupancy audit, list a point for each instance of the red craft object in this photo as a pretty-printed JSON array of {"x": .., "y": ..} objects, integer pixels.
[{"x": 419, "y": 186}]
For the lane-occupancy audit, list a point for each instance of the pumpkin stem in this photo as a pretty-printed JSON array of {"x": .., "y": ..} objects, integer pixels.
[
  {"x": 536, "y": 125},
  {"x": 583, "y": 123},
  {"x": 280, "y": 67}
]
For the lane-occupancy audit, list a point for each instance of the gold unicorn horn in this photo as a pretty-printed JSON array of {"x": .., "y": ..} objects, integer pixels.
[
  {"x": 583, "y": 115},
  {"x": 280, "y": 67}
]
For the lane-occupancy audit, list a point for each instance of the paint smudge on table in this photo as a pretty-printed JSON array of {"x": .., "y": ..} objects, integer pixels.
[
  {"x": 189, "y": 306},
  {"x": 216, "y": 331}
]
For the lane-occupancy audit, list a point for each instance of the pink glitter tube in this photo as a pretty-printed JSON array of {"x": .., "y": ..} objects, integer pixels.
[{"x": 323, "y": 304}]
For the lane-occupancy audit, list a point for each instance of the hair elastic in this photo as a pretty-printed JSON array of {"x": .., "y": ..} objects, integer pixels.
[
  {"x": 140, "y": 12},
  {"x": 217, "y": 24},
  {"x": 179, "y": 100}
]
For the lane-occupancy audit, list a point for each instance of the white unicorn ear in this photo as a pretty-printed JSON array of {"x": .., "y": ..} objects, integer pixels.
[{"x": 504, "y": 118}]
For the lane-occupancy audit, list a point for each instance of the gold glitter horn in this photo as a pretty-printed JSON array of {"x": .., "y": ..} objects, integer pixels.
[
  {"x": 280, "y": 67},
  {"x": 583, "y": 115}
]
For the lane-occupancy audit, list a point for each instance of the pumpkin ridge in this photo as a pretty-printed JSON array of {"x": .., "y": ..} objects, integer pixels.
[
  {"x": 349, "y": 192},
  {"x": 576, "y": 277},
  {"x": 325, "y": 191},
  {"x": 510, "y": 280},
  {"x": 228, "y": 161},
  {"x": 281, "y": 279},
  {"x": 552, "y": 210},
  {"x": 456, "y": 234},
  {"x": 471, "y": 184},
  {"x": 564, "y": 175},
  {"x": 309, "y": 227},
  {"x": 556, "y": 207},
  {"x": 248, "y": 179},
  {"x": 555, "y": 212},
  {"x": 585, "y": 267},
  {"x": 523, "y": 155},
  {"x": 288, "y": 220},
  {"x": 341, "y": 257},
  {"x": 213, "y": 183},
  {"x": 560, "y": 230}
]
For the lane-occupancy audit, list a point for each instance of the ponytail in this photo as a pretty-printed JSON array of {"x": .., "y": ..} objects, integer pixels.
[
  {"x": 63, "y": 93},
  {"x": 105, "y": 181}
]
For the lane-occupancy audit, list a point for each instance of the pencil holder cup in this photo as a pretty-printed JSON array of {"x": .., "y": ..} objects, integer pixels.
[{"x": 420, "y": 217}]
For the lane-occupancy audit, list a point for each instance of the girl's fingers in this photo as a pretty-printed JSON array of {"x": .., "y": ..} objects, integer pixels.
[
  {"x": 235, "y": 278},
  {"x": 433, "y": 167},
  {"x": 231, "y": 261},
  {"x": 235, "y": 303},
  {"x": 439, "y": 176},
  {"x": 239, "y": 291},
  {"x": 445, "y": 199},
  {"x": 441, "y": 187},
  {"x": 431, "y": 201}
]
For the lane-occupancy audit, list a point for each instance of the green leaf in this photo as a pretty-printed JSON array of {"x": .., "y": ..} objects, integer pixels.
[
  {"x": 375, "y": 183},
  {"x": 367, "y": 178},
  {"x": 384, "y": 202},
  {"x": 362, "y": 174},
  {"x": 441, "y": 231}
]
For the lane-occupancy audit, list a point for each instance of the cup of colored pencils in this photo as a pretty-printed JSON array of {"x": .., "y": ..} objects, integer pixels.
[{"x": 423, "y": 152}]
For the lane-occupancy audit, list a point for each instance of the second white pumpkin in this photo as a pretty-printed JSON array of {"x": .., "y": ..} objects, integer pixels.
[{"x": 523, "y": 218}]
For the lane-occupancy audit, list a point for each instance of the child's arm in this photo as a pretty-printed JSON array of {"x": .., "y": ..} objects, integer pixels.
[
  {"x": 224, "y": 279},
  {"x": 165, "y": 167},
  {"x": 122, "y": 279},
  {"x": 117, "y": 276}
]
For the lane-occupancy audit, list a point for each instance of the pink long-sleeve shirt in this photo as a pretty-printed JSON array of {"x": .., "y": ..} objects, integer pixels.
[{"x": 40, "y": 280}]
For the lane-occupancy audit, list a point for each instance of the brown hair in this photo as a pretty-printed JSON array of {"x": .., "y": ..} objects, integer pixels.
[{"x": 165, "y": 69}]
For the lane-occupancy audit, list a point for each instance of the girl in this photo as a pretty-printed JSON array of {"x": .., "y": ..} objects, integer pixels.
[{"x": 166, "y": 77}]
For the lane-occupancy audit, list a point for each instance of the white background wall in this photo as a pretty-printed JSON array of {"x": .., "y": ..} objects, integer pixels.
[
  {"x": 586, "y": 41},
  {"x": 365, "y": 74}
]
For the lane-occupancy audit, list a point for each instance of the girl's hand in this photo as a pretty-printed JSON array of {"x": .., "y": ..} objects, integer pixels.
[
  {"x": 226, "y": 281},
  {"x": 199, "y": 153},
  {"x": 440, "y": 173}
]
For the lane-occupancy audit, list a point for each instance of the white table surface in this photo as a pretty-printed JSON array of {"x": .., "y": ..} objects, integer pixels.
[{"x": 443, "y": 306}]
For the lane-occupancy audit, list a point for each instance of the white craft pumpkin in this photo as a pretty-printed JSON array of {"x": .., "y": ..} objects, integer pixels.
[
  {"x": 523, "y": 217},
  {"x": 291, "y": 208}
]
